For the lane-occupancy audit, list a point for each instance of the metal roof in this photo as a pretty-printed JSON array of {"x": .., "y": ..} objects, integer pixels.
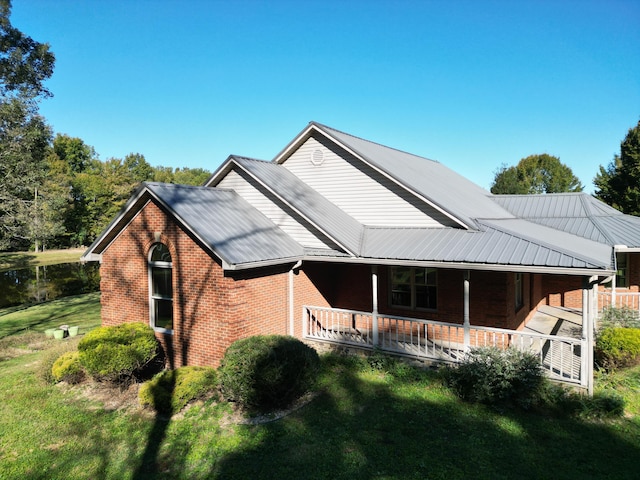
[
  {"x": 499, "y": 243},
  {"x": 324, "y": 215},
  {"x": 443, "y": 187},
  {"x": 235, "y": 231},
  {"x": 577, "y": 213},
  {"x": 222, "y": 221},
  {"x": 556, "y": 233}
]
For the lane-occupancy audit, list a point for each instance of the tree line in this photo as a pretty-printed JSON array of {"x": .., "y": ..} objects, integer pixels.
[{"x": 55, "y": 192}]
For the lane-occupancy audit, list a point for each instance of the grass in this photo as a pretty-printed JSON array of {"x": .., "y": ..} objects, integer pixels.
[
  {"x": 80, "y": 310},
  {"x": 16, "y": 260},
  {"x": 397, "y": 422}
]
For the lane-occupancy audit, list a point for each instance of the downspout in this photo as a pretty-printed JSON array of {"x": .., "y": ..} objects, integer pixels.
[{"x": 297, "y": 265}]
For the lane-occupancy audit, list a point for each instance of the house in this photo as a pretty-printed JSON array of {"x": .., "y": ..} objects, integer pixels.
[{"x": 342, "y": 240}]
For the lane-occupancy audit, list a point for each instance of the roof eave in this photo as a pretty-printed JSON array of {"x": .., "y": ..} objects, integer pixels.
[{"x": 580, "y": 271}]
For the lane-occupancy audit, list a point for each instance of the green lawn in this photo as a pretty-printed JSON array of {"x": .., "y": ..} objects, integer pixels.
[
  {"x": 80, "y": 310},
  {"x": 14, "y": 260},
  {"x": 364, "y": 424}
]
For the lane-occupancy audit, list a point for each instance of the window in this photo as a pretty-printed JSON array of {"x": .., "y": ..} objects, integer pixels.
[
  {"x": 161, "y": 288},
  {"x": 414, "y": 287},
  {"x": 622, "y": 260},
  {"x": 519, "y": 291}
]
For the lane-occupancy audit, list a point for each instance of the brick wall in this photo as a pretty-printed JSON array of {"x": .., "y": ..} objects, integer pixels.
[{"x": 211, "y": 310}]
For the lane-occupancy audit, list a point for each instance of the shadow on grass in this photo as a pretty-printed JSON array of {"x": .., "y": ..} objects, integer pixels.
[{"x": 363, "y": 429}]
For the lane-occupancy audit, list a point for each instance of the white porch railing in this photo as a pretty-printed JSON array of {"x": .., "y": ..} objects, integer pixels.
[
  {"x": 430, "y": 339},
  {"x": 619, "y": 299}
]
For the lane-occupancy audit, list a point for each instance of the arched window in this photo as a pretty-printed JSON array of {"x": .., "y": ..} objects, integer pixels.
[{"x": 160, "y": 288}]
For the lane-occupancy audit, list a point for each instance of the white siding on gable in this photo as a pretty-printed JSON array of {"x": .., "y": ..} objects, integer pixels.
[
  {"x": 242, "y": 186},
  {"x": 365, "y": 194}
]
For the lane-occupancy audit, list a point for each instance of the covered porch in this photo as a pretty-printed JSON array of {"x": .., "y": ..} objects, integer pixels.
[
  {"x": 467, "y": 316},
  {"x": 556, "y": 341}
]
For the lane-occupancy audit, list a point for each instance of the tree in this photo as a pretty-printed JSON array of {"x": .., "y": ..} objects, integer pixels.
[
  {"x": 24, "y": 141},
  {"x": 24, "y": 136},
  {"x": 536, "y": 174},
  {"x": 618, "y": 184},
  {"x": 24, "y": 63}
]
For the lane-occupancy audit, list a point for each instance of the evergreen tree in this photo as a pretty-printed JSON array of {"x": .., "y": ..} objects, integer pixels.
[{"x": 619, "y": 183}]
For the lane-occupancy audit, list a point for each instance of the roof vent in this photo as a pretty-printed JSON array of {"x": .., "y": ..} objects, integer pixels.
[{"x": 317, "y": 157}]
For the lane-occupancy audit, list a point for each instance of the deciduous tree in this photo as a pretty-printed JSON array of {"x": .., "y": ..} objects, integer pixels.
[{"x": 536, "y": 174}]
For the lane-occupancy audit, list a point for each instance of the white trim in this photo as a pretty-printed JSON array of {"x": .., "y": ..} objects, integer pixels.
[
  {"x": 417, "y": 263},
  {"x": 152, "y": 297}
]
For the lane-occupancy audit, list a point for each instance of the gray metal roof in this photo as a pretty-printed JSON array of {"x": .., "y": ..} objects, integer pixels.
[
  {"x": 432, "y": 180},
  {"x": 555, "y": 232},
  {"x": 324, "y": 215},
  {"x": 576, "y": 213},
  {"x": 227, "y": 223},
  {"x": 495, "y": 245},
  {"x": 224, "y": 222}
]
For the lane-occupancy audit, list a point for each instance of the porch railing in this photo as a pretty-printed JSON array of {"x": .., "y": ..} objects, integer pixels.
[
  {"x": 429, "y": 339},
  {"x": 619, "y": 299}
]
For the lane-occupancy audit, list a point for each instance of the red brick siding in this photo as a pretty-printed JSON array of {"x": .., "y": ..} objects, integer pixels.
[{"x": 211, "y": 310}]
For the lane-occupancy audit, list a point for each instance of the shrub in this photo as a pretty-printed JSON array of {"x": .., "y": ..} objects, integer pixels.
[
  {"x": 617, "y": 347},
  {"x": 266, "y": 372},
  {"x": 619, "y": 317},
  {"x": 67, "y": 368},
  {"x": 171, "y": 390},
  {"x": 493, "y": 376},
  {"x": 49, "y": 357},
  {"x": 120, "y": 353}
]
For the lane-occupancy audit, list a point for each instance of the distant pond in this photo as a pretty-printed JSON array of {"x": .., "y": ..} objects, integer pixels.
[{"x": 41, "y": 284}]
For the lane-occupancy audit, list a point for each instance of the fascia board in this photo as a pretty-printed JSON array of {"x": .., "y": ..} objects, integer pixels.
[
  {"x": 295, "y": 143},
  {"x": 299, "y": 212},
  {"x": 136, "y": 202},
  {"x": 464, "y": 266},
  {"x": 220, "y": 172}
]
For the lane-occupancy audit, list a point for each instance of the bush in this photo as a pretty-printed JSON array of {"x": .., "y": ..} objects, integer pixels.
[
  {"x": 493, "y": 376},
  {"x": 67, "y": 368},
  {"x": 619, "y": 317},
  {"x": 617, "y": 347},
  {"x": 119, "y": 354},
  {"x": 266, "y": 372},
  {"x": 49, "y": 357},
  {"x": 171, "y": 390}
]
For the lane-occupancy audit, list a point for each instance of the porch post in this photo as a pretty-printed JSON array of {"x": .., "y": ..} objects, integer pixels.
[
  {"x": 613, "y": 290},
  {"x": 586, "y": 378},
  {"x": 466, "y": 320},
  {"x": 374, "y": 311}
]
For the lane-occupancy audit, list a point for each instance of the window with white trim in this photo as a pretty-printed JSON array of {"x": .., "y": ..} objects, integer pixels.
[
  {"x": 161, "y": 288},
  {"x": 414, "y": 288},
  {"x": 519, "y": 291}
]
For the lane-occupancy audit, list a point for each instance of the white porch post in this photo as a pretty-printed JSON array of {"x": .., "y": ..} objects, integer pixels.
[
  {"x": 466, "y": 320},
  {"x": 586, "y": 379},
  {"x": 291, "y": 304},
  {"x": 613, "y": 291},
  {"x": 374, "y": 310}
]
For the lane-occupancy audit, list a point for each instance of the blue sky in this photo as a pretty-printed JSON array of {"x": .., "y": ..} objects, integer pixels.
[{"x": 472, "y": 84}]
